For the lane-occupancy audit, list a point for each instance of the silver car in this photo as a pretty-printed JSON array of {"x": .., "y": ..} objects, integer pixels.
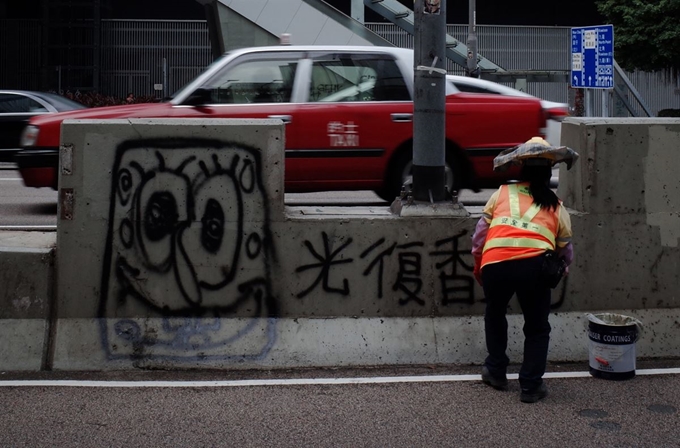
[{"x": 17, "y": 107}]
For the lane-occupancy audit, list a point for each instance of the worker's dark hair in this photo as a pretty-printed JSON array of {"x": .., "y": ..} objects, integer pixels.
[{"x": 538, "y": 177}]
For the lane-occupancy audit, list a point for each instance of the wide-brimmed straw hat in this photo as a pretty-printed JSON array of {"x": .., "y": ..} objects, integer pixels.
[{"x": 535, "y": 148}]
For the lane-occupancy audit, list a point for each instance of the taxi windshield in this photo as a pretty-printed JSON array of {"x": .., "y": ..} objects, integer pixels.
[{"x": 182, "y": 89}]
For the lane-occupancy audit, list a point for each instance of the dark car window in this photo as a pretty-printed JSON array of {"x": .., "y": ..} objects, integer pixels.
[
  {"x": 473, "y": 89},
  {"x": 60, "y": 103},
  {"x": 255, "y": 81},
  {"x": 337, "y": 78},
  {"x": 14, "y": 103}
]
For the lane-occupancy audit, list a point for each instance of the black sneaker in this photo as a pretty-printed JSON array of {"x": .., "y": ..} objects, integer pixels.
[
  {"x": 498, "y": 383},
  {"x": 533, "y": 395}
]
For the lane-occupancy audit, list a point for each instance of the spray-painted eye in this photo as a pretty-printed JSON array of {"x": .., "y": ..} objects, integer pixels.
[
  {"x": 124, "y": 186},
  {"x": 160, "y": 217},
  {"x": 214, "y": 245},
  {"x": 212, "y": 232}
]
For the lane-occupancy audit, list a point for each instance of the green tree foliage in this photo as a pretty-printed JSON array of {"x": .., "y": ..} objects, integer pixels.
[{"x": 646, "y": 32}]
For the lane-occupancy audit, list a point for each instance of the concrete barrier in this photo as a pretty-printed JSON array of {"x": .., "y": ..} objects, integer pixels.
[
  {"x": 175, "y": 250},
  {"x": 626, "y": 197},
  {"x": 26, "y": 279}
]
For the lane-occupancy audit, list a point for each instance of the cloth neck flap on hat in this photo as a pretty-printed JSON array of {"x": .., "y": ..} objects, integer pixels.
[{"x": 537, "y": 161}]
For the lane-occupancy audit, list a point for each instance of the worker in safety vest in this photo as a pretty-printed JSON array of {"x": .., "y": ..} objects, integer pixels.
[{"x": 520, "y": 223}]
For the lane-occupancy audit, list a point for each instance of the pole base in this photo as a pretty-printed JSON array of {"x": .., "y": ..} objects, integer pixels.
[
  {"x": 409, "y": 207},
  {"x": 429, "y": 183}
]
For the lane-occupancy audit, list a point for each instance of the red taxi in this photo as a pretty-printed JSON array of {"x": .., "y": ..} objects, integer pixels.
[{"x": 348, "y": 114}]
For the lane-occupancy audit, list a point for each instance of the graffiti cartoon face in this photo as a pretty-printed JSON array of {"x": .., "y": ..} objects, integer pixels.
[{"x": 188, "y": 234}]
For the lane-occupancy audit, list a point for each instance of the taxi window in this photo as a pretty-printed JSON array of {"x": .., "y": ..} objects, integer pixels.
[
  {"x": 338, "y": 78},
  {"x": 468, "y": 88},
  {"x": 12, "y": 103},
  {"x": 255, "y": 81}
]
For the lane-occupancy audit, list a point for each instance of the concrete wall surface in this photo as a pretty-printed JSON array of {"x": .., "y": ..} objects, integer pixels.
[
  {"x": 26, "y": 279},
  {"x": 625, "y": 194},
  {"x": 176, "y": 251}
]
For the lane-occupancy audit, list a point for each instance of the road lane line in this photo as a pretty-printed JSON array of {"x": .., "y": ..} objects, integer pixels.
[
  {"x": 298, "y": 381},
  {"x": 50, "y": 227}
]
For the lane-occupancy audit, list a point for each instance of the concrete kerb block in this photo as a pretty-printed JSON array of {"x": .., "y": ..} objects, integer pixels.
[
  {"x": 347, "y": 342},
  {"x": 128, "y": 184},
  {"x": 643, "y": 152},
  {"x": 26, "y": 294},
  {"x": 139, "y": 273}
]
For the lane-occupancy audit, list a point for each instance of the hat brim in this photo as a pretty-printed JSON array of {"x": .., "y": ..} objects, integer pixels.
[{"x": 528, "y": 151}]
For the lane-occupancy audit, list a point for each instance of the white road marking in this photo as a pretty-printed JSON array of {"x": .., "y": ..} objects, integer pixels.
[
  {"x": 12, "y": 178},
  {"x": 50, "y": 227},
  {"x": 298, "y": 381}
]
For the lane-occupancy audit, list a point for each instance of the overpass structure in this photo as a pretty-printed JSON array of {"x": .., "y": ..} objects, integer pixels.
[
  {"x": 245, "y": 23},
  {"x": 403, "y": 17},
  {"x": 312, "y": 22},
  {"x": 236, "y": 23}
]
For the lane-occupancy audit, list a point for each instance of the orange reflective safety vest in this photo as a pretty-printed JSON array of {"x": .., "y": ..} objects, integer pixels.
[{"x": 519, "y": 228}]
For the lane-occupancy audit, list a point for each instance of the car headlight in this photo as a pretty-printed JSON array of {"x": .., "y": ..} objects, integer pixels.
[{"x": 29, "y": 136}]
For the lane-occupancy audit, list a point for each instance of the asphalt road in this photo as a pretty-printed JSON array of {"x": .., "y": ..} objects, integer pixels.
[
  {"x": 22, "y": 206},
  {"x": 462, "y": 412}
]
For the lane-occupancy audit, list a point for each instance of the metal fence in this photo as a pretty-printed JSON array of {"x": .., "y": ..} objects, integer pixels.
[
  {"x": 145, "y": 57},
  {"x": 152, "y": 57},
  {"x": 20, "y": 54},
  {"x": 545, "y": 48},
  {"x": 660, "y": 90},
  {"x": 511, "y": 47},
  {"x": 157, "y": 57}
]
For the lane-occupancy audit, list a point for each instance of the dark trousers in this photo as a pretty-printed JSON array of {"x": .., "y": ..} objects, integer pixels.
[{"x": 501, "y": 281}]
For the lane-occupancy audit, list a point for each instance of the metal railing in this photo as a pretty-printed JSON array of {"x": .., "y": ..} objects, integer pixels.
[
  {"x": 152, "y": 57},
  {"x": 547, "y": 48}
]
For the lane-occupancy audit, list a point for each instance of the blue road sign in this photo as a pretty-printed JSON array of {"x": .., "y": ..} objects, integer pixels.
[{"x": 592, "y": 57}]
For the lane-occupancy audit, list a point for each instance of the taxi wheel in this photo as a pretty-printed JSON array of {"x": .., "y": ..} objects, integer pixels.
[{"x": 400, "y": 176}]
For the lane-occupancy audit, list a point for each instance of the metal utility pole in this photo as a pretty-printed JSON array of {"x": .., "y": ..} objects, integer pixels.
[
  {"x": 590, "y": 102},
  {"x": 357, "y": 11},
  {"x": 472, "y": 69},
  {"x": 429, "y": 101}
]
